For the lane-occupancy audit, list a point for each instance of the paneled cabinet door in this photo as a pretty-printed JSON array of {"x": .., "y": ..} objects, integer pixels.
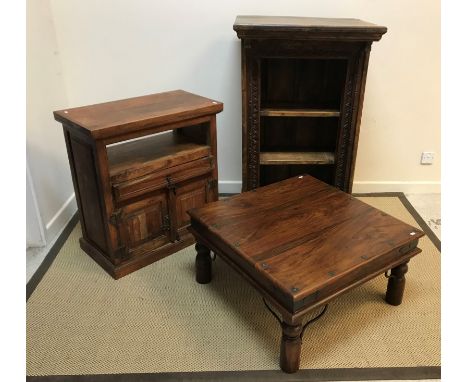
[
  {"x": 144, "y": 225},
  {"x": 193, "y": 194}
]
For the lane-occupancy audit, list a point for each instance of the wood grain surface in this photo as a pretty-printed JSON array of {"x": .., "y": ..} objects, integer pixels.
[
  {"x": 136, "y": 158},
  {"x": 134, "y": 178},
  {"x": 128, "y": 115},
  {"x": 305, "y": 238}
]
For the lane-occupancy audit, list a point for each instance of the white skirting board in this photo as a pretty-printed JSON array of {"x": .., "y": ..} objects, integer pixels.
[
  {"x": 421, "y": 187},
  {"x": 53, "y": 229},
  {"x": 229, "y": 186}
]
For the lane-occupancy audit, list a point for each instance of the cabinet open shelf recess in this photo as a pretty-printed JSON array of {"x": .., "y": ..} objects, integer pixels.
[
  {"x": 142, "y": 156},
  {"x": 283, "y": 158}
]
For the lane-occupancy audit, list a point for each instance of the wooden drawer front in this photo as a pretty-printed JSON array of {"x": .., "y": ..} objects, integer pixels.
[
  {"x": 143, "y": 222},
  {"x": 192, "y": 195},
  {"x": 161, "y": 179}
]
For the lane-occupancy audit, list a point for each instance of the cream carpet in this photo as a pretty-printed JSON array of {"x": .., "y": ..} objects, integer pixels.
[{"x": 158, "y": 319}]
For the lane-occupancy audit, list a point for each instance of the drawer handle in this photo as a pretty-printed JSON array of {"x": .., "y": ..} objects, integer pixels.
[
  {"x": 116, "y": 217},
  {"x": 171, "y": 186},
  {"x": 166, "y": 223}
]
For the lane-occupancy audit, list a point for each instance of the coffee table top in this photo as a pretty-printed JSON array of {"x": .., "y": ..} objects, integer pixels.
[{"x": 305, "y": 237}]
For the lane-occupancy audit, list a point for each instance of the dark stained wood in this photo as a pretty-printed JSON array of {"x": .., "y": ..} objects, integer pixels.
[
  {"x": 133, "y": 188},
  {"x": 134, "y": 114},
  {"x": 87, "y": 187},
  {"x": 270, "y": 112},
  {"x": 137, "y": 158},
  {"x": 359, "y": 374},
  {"x": 133, "y": 195},
  {"x": 307, "y": 28},
  {"x": 202, "y": 264},
  {"x": 135, "y": 263},
  {"x": 192, "y": 194},
  {"x": 301, "y": 242},
  {"x": 303, "y": 82},
  {"x": 396, "y": 285}
]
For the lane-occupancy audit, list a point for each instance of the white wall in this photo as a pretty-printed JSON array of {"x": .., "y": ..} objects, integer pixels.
[
  {"x": 87, "y": 51},
  {"x": 46, "y": 154},
  {"x": 112, "y": 49}
]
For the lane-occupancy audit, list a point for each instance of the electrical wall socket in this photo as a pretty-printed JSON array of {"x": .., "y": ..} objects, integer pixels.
[{"x": 427, "y": 157}]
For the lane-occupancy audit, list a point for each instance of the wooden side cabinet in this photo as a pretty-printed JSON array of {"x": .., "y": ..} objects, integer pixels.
[
  {"x": 137, "y": 166},
  {"x": 303, "y": 83}
]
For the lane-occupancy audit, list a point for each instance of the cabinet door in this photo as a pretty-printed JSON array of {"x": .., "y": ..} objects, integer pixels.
[
  {"x": 144, "y": 225},
  {"x": 192, "y": 194}
]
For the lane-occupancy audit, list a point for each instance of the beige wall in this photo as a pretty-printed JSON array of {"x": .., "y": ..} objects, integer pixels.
[
  {"x": 401, "y": 115},
  {"x": 86, "y": 51}
]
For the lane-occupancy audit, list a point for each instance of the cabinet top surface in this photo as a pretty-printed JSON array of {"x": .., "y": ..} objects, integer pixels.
[
  {"x": 333, "y": 28},
  {"x": 113, "y": 118},
  {"x": 304, "y": 234}
]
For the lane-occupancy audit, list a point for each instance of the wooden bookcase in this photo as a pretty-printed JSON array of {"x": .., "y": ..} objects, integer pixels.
[
  {"x": 303, "y": 83},
  {"x": 137, "y": 166}
]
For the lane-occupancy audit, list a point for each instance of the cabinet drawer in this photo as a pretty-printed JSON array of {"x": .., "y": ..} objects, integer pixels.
[{"x": 123, "y": 191}]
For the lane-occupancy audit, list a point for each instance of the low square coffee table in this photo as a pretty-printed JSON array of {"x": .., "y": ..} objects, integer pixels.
[{"x": 301, "y": 243}]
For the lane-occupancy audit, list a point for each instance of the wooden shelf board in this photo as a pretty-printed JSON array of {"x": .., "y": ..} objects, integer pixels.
[
  {"x": 136, "y": 158},
  {"x": 273, "y": 112},
  {"x": 282, "y": 158}
]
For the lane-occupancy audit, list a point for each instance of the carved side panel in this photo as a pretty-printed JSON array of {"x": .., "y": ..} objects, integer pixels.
[
  {"x": 253, "y": 120},
  {"x": 345, "y": 129},
  {"x": 350, "y": 111}
]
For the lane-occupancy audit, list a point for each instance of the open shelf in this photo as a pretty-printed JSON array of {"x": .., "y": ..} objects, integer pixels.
[
  {"x": 283, "y": 134},
  {"x": 284, "y": 112},
  {"x": 309, "y": 157},
  {"x": 298, "y": 83},
  {"x": 302, "y": 88},
  {"x": 138, "y": 157},
  {"x": 275, "y": 173}
]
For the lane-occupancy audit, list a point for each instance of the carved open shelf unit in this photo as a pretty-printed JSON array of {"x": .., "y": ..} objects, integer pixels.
[{"x": 303, "y": 84}]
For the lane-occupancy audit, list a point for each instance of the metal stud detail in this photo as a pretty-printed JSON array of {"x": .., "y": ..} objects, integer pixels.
[
  {"x": 265, "y": 266},
  {"x": 294, "y": 289}
]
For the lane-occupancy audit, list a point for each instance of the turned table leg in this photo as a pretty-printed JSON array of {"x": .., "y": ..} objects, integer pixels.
[
  {"x": 290, "y": 352},
  {"x": 396, "y": 284},
  {"x": 203, "y": 264}
]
